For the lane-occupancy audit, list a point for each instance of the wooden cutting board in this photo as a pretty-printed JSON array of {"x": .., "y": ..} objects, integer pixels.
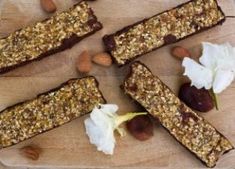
[{"x": 68, "y": 146}]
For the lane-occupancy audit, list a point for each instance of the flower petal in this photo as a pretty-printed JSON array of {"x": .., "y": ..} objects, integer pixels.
[
  {"x": 102, "y": 138},
  {"x": 109, "y": 109},
  {"x": 227, "y": 61},
  {"x": 100, "y": 128},
  {"x": 198, "y": 74},
  {"x": 210, "y": 54},
  {"x": 93, "y": 136},
  {"x": 108, "y": 142},
  {"x": 218, "y": 56},
  {"x": 100, "y": 118},
  {"x": 223, "y": 79},
  {"x": 233, "y": 54}
]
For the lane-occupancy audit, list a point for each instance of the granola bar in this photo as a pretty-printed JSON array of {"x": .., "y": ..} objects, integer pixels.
[
  {"x": 48, "y": 37},
  {"x": 165, "y": 28},
  {"x": 49, "y": 110},
  {"x": 186, "y": 126}
]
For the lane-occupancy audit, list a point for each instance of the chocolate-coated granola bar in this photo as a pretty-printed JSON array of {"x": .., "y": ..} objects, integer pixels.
[
  {"x": 49, "y": 110},
  {"x": 167, "y": 27},
  {"x": 186, "y": 126},
  {"x": 50, "y": 36}
]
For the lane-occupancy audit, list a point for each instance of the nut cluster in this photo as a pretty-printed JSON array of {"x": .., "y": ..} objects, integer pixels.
[
  {"x": 185, "y": 125},
  {"x": 48, "y": 111},
  {"x": 31, "y": 42},
  {"x": 165, "y": 28}
]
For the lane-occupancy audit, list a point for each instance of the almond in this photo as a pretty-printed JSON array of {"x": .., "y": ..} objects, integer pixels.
[
  {"x": 180, "y": 52},
  {"x": 103, "y": 59},
  {"x": 48, "y": 6},
  {"x": 31, "y": 152},
  {"x": 84, "y": 62}
]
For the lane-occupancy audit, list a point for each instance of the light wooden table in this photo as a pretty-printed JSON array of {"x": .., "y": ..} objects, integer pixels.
[{"x": 68, "y": 145}]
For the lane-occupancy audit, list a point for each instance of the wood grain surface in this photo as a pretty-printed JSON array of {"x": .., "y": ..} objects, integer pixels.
[{"x": 68, "y": 146}]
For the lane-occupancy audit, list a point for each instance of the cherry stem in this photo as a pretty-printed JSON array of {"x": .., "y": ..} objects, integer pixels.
[{"x": 215, "y": 99}]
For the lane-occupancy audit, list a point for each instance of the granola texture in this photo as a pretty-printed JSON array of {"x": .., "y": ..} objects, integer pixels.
[
  {"x": 52, "y": 35},
  {"x": 186, "y": 126},
  {"x": 162, "y": 29},
  {"x": 52, "y": 109}
]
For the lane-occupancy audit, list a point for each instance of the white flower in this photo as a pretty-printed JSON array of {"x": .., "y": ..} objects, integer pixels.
[
  {"x": 101, "y": 125},
  {"x": 217, "y": 68}
]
